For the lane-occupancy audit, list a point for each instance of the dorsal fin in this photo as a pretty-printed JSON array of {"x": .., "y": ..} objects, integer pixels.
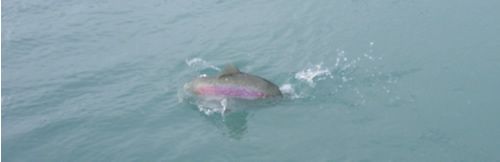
[{"x": 229, "y": 70}]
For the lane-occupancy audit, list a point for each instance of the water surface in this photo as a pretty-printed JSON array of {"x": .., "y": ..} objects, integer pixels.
[{"x": 390, "y": 80}]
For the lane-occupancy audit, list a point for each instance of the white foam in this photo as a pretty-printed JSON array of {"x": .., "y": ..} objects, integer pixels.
[
  {"x": 309, "y": 74},
  {"x": 209, "y": 106},
  {"x": 287, "y": 89},
  {"x": 223, "y": 103},
  {"x": 200, "y": 64}
]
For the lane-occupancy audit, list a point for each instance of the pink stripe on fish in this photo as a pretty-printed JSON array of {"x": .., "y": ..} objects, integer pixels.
[{"x": 230, "y": 91}]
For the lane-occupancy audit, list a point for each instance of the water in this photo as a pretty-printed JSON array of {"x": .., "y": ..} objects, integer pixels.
[{"x": 390, "y": 80}]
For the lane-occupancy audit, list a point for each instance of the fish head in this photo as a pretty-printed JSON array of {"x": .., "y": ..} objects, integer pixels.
[{"x": 197, "y": 83}]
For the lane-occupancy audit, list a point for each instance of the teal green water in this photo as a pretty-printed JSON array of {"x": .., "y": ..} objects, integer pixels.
[{"x": 365, "y": 80}]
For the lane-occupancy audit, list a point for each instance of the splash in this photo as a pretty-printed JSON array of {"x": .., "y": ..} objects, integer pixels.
[
  {"x": 288, "y": 90},
  {"x": 345, "y": 79},
  {"x": 200, "y": 64},
  {"x": 211, "y": 106},
  {"x": 309, "y": 74}
]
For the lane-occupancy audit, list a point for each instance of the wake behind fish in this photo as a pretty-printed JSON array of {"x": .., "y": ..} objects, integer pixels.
[{"x": 345, "y": 76}]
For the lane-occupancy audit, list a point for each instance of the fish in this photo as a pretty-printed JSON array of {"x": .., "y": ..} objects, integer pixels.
[{"x": 232, "y": 83}]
